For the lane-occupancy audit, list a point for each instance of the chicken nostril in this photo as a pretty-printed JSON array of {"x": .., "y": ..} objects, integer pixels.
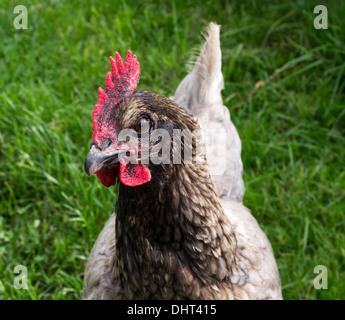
[{"x": 105, "y": 143}]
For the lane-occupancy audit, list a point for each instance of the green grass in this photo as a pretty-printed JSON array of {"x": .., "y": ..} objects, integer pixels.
[{"x": 292, "y": 127}]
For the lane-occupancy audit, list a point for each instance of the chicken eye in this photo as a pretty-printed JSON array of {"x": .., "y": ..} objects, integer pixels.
[{"x": 142, "y": 125}]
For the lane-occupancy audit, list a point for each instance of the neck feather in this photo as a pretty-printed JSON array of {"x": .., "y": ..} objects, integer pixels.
[{"x": 173, "y": 241}]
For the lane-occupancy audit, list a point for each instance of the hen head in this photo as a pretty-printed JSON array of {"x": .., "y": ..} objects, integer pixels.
[{"x": 127, "y": 127}]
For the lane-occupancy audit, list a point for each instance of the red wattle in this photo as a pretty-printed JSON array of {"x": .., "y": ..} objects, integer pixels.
[{"x": 107, "y": 177}]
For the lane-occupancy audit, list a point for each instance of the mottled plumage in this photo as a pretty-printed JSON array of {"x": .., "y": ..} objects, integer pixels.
[{"x": 183, "y": 234}]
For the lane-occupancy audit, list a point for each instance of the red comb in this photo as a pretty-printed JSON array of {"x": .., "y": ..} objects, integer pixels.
[{"x": 120, "y": 83}]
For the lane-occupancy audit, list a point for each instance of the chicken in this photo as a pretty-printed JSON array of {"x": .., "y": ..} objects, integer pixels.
[{"x": 180, "y": 230}]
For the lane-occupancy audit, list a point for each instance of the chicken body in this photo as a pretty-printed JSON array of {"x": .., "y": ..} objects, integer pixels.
[
  {"x": 185, "y": 234},
  {"x": 205, "y": 257}
]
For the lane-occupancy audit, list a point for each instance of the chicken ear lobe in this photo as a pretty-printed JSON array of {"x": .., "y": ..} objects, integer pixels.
[{"x": 133, "y": 175}]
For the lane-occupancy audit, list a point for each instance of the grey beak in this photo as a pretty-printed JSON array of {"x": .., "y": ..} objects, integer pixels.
[{"x": 97, "y": 159}]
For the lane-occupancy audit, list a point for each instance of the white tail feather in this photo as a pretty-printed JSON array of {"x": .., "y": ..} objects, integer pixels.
[{"x": 200, "y": 95}]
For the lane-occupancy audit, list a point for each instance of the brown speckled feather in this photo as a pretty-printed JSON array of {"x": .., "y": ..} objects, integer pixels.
[{"x": 232, "y": 261}]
